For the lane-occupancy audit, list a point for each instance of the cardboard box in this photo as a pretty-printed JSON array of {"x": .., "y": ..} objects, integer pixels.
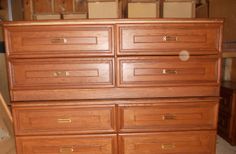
[
  {"x": 75, "y": 16},
  {"x": 47, "y": 16},
  {"x": 103, "y": 9},
  {"x": 143, "y": 10},
  {"x": 179, "y": 9}
]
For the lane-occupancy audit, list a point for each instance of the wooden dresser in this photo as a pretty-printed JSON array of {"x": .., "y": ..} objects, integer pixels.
[
  {"x": 115, "y": 86},
  {"x": 227, "y": 112}
]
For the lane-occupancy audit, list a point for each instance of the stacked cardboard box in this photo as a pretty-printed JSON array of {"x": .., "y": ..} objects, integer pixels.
[
  {"x": 179, "y": 8},
  {"x": 103, "y": 9},
  {"x": 147, "y": 9},
  {"x": 75, "y": 16},
  {"x": 47, "y": 16}
]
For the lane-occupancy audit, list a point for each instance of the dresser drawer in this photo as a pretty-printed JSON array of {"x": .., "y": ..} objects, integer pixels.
[
  {"x": 168, "y": 116},
  {"x": 99, "y": 144},
  {"x": 166, "y": 71},
  {"x": 59, "y": 41},
  {"x": 64, "y": 119},
  {"x": 168, "y": 143},
  {"x": 159, "y": 39},
  {"x": 61, "y": 73}
]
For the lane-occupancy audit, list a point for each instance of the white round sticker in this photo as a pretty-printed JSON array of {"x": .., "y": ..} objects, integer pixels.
[{"x": 184, "y": 55}]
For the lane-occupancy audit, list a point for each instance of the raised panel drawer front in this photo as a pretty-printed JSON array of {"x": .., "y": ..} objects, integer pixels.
[
  {"x": 61, "y": 73},
  {"x": 94, "y": 144},
  {"x": 60, "y": 41},
  {"x": 64, "y": 119},
  {"x": 167, "y": 71},
  {"x": 202, "y": 142},
  {"x": 168, "y": 116},
  {"x": 159, "y": 39}
]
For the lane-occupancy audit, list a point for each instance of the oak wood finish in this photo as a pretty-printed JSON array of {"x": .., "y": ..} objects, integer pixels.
[
  {"x": 86, "y": 144},
  {"x": 168, "y": 116},
  {"x": 60, "y": 41},
  {"x": 42, "y": 6},
  {"x": 164, "y": 71},
  {"x": 64, "y": 119},
  {"x": 115, "y": 93},
  {"x": 52, "y": 7},
  {"x": 62, "y": 73},
  {"x": 169, "y": 39},
  {"x": 63, "y": 6},
  {"x": 168, "y": 143},
  {"x": 114, "y": 86}
]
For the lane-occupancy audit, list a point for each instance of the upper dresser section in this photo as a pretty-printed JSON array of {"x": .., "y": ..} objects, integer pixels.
[
  {"x": 113, "y": 59},
  {"x": 60, "y": 41},
  {"x": 168, "y": 39},
  {"x": 83, "y": 38}
]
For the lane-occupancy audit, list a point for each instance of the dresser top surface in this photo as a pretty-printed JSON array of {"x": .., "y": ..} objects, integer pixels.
[{"x": 110, "y": 21}]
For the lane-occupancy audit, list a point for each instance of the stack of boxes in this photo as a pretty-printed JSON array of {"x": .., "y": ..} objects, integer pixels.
[
  {"x": 103, "y": 9},
  {"x": 179, "y": 9},
  {"x": 77, "y": 9},
  {"x": 143, "y": 9}
]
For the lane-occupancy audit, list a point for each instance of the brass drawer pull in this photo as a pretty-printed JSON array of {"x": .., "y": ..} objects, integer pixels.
[
  {"x": 66, "y": 150},
  {"x": 166, "y": 71},
  {"x": 168, "y": 117},
  {"x": 170, "y": 38},
  {"x": 64, "y": 120},
  {"x": 168, "y": 146},
  {"x": 61, "y": 74},
  {"x": 59, "y": 41}
]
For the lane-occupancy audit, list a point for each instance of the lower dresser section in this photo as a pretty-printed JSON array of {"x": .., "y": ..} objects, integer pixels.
[
  {"x": 147, "y": 126},
  {"x": 192, "y": 142}
]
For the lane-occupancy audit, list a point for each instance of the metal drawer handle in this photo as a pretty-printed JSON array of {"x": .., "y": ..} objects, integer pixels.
[
  {"x": 170, "y": 38},
  {"x": 168, "y": 117},
  {"x": 59, "y": 41},
  {"x": 168, "y": 146},
  {"x": 66, "y": 150},
  {"x": 64, "y": 120},
  {"x": 61, "y": 74},
  {"x": 167, "y": 71}
]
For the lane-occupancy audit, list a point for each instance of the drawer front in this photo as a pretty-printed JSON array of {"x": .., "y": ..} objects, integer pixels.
[
  {"x": 166, "y": 71},
  {"x": 168, "y": 143},
  {"x": 61, "y": 73},
  {"x": 168, "y": 116},
  {"x": 64, "y": 119},
  {"x": 67, "y": 145},
  {"x": 169, "y": 39},
  {"x": 60, "y": 41}
]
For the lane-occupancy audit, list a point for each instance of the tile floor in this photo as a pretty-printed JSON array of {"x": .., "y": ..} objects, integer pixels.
[{"x": 224, "y": 147}]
